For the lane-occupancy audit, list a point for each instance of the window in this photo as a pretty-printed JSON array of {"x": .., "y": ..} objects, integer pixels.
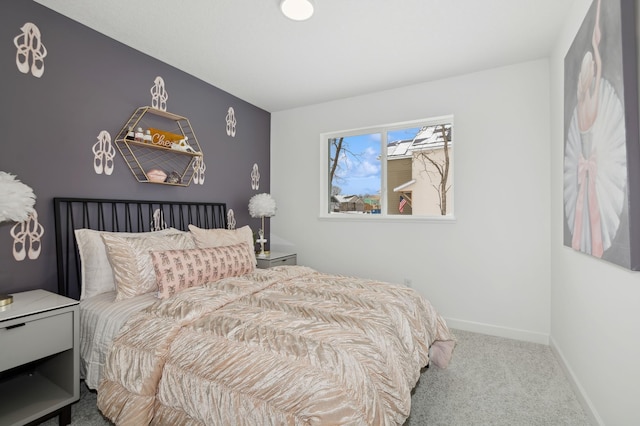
[{"x": 402, "y": 169}]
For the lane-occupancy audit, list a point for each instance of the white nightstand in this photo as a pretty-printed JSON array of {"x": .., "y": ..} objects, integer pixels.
[
  {"x": 39, "y": 365},
  {"x": 276, "y": 259}
]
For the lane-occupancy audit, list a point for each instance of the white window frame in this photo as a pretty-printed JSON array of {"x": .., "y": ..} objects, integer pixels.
[{"x": 384, "y": 216}]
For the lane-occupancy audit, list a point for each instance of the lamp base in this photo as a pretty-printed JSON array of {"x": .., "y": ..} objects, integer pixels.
[{"x": 5, "y": 299}]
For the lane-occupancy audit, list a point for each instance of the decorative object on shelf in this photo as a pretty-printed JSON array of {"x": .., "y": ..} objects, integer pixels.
[
  {"x": 297, "y": 10},
  {"x": 147, "y": 136},
  {"x": 174, "y": 177},
  {"x": 159, "y": 94},
  {"x": 262, "y": 205},
  {"x": 164, "y": 138},
  {"x": 29, "y": 45},
  {"x": 231, "y": 122},
  {"x": 138, "y": 136},
  {"x": 255, "y": 177},
  {"x": 143, "y": 157},
  {"x": 16, "y": 205},
  {"x": 155, "y": 175},
  {"x": 183, "y": 145},
  {"x": 103, "y": 154}
]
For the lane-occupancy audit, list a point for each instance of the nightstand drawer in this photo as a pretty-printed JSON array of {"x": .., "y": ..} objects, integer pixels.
[
  {"x": 29, "y": 340},
  {"x": 277, "y": 259},
  {"x": 289, "y": 260}
]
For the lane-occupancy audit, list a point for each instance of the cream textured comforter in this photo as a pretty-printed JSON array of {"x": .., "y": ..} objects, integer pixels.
[{"x": 283, "y": 346}]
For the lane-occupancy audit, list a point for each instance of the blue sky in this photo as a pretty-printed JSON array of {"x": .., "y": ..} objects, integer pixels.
[{"x": 362, "y": 174}]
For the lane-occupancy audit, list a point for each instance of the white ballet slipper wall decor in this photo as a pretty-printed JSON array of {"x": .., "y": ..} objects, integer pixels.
[
  {"x": 30, "y": 50},
  {"x": 27, "y": 237},
  {"x": 198, "y": 171},
  {"x": 255, "y": 177},
  {"x": 159, "y": 95},
  {"x": 103, "y": 154},
  {"x": 158, "y": 223},
  {"x": 231, "y": 219},
  {"x": 231, "y": 122}
]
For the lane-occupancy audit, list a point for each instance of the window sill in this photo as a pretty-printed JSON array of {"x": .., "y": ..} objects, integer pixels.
[{"x": 355, "y": 217}]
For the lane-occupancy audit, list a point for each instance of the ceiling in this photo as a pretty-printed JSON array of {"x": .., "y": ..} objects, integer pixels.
[{"x": 348, "y": 48}]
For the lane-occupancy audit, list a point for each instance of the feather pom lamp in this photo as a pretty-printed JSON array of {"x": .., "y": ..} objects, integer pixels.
[
  {"x": 16, "y": 205},
  {"x": 16, "y": 199},
  {"x": 262, "y": 205}
]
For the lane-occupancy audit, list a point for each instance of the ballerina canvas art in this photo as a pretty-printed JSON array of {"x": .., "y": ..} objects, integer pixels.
[{"x": 596, "y": 185}]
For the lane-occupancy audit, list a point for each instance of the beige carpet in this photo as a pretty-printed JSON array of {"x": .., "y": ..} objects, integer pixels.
[
  {"x": 490, "y": 381},
  {"x": 496, "y": 381}
]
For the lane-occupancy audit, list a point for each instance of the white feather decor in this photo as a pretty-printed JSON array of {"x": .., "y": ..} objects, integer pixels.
[
  {"x": 262, "y": 205},
  {"x": 16, "y": 199}
]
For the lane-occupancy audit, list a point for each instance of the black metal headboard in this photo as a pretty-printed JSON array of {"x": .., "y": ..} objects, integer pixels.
[{"x": 121, "y": 216}]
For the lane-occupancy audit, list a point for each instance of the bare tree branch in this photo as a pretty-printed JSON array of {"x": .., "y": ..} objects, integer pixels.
[
  {"x": 442, "y": 168},
  {"x": 341, "y": 148},
  {"x": 337, "y": 143}
]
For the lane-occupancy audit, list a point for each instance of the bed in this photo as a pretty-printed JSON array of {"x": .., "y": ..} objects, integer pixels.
[{"x": 186, "y": 330}]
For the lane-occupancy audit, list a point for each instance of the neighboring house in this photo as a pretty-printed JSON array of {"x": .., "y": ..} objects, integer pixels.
[
  {"x": 411, "y": 176},
  {"x": 372, "y": 204},
  {"x": 347, "y": 203}
]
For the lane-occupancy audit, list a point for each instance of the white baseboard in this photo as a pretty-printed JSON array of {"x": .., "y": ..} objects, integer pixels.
[
  {"x": 494, "y": 330},
  {"x": 584, "y": 400}
]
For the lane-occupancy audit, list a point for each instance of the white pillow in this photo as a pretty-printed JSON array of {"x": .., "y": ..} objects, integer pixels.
[
  {"x": 205, "y": 238},
  {"x": 96, "y": 273}
]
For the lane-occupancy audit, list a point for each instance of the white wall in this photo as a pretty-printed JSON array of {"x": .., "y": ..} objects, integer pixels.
[
  {"x": 595, "y": 305},
  {"x": 489, "y": 271}
]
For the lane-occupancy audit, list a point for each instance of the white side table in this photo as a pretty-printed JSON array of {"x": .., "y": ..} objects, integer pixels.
[
  {"x": 39, "y": 365},
  {"x": 276, "y": 259}
]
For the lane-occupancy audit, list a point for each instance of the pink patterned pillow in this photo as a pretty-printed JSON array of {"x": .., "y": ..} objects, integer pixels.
[{"x": 179, "y": 270}]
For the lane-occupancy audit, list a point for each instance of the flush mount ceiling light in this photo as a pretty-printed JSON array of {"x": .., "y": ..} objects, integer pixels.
[{"x": 298, "y": 10}]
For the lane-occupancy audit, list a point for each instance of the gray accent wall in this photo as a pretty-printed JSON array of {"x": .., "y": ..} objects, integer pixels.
[{"x": 93, "y": 83}]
